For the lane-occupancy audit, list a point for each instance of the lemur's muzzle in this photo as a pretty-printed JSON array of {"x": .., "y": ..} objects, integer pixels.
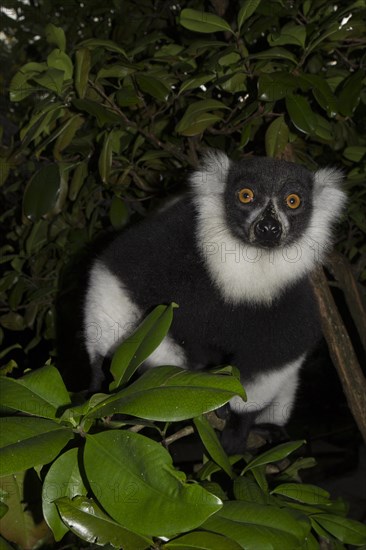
[{"x": 268, "y": 231}]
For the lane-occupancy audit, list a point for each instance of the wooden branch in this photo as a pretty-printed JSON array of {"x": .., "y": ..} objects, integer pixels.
[
  {"x": 341, "y": 351},
  {"x": 184, "y": 432},
  {"x": 341, "y": 270}
]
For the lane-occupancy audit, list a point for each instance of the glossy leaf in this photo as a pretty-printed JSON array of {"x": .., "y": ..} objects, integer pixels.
[
  {"x": 212, "y": 443},
  {"x": 171, "y": 394},
  {"x": 247, "y": 489},
  {"x": 302, "y": 492},
  {"x": 152, "y": 86},
  {"x": 63, "y": 479},
  {"x": 66, "y": 134},
  {"x": 62, "y": 62},
  {"x": 346, "y": 530},
  {"x": 147, "y": 495},
  {"x": 41, "y": 392},
  {"x": 28, "y": 442},
  {"x": 201, "y": 122},
  {"x": 201, "y": 21},
  {"x": 140, "y": 344},
  {"x": 351, "y": 93},
  {"x": 277, "y": 137},
  {"x": 106, "y": 44},
  {"x": 201, "y": 540},
  {"x": 85, "y": 519},
  {"x": 301, "y": 114},
  {"x": 102, "y": 114},
  {"x": 273, "y": 455},
  {"x": 259, "y": 526},
  {"x": 52, "y": 79},
  {"x": 55, "y": 35},
  {"x": 354, "y": 153},
  {"x": 42, "y": 192},
  {"x": 277, "y": 85},
  {"x": 118, "y": 213},
  {"x": 105, "y": 158},
  {"x": 82, "y": 68},
  {"x": 289, "y": 34},
  {"x": 247, "y": 9},
  {"x": 196, "y": 82},
  {"x": 197, "y": 117}
]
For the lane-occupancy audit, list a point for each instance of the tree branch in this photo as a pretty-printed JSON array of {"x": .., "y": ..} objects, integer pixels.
[{"x": 341, "y": 351}]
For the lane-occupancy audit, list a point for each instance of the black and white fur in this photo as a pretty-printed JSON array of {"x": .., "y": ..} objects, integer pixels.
[{"x": 244, "y": 300}]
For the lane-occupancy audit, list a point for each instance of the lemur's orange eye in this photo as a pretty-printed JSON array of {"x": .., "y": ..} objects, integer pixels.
[
  {"x": 293, "y": 201},
  {"x": 246, "y": 195}
]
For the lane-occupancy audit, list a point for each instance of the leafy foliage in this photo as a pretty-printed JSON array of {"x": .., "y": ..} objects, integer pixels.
[
  {"x": 106, "y": 117},
  {"x": 108, "y": 484}
]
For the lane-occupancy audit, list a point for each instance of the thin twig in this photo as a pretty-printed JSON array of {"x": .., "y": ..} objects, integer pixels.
[{"x": 184, "y": 432}]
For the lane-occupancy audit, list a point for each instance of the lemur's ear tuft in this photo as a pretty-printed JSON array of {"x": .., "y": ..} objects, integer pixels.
[
  {"x": 328, "y": 194},
  {"x": 328, "y": 177},
  {"x": 211, "y": 178}
]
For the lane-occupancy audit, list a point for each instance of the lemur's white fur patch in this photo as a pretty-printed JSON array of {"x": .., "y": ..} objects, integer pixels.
[
  {"x": 249, "y": 273},
  {"x": 272, "y": 393},
  {"x": 110, "y": 316}
]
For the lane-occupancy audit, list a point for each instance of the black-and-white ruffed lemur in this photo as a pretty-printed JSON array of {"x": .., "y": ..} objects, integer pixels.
[{"x": 235, "y": 254}]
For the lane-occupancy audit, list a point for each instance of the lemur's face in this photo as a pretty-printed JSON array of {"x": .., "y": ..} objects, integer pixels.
[{"x": 268, "y": 203}]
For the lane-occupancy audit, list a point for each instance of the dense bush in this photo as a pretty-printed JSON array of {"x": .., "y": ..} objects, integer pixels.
[
  {"x": 108, "y": 113},
  {"x": 116, "y": 486}
]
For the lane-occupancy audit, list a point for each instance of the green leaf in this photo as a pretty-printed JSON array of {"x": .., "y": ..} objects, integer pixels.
[
  {"x": 248, "y": 8},
  {"x": 105, "y": 158},
  {"x": 103, "y": 115},
  {"x": 42, "y": 192},
  {"x": 273, "y": 455},
  {"x": 41, "y": 392},
  {"x": 322, "y": 93},
  {"x": 86, "y": 520},
  {"x": 118, "y": 213},
  {"x": 115, "y": 71},
  {"x": 201, "y": 21},
  {"x": 310, "y": 494},
  {"x": 346, "y": 530},
  {"x": 63, "y": 479},
  {"x": 171, "y": 394},
  {"x": 197, "y": 118},
  {"x": 106, "y": 44},
  {"x": 82, "y": 69},
  {"x": 257, "y": 526},
  {"x": 52, "y": 79},
  {"x": 277, "y": 137},
  {"x": 289, "y": 34},
  {"x": 247, "y": 489},
  {"x": 62, "y": 62},
  {"x": 203, "y": 541},
  {"x": 212, "y": 443},
  {"x": 140, "y": 344},
  {"x": 152, "y": 86},
  {"x": 274, "y": 86},
  {"x": 301, "y": 114},
  {"x": 27, "y": 442},
  {"x": 351, "y": 93},
  {"x": 66, "y": 134},
  {"x": 275, "y": 53},
  {"x": 55, "y": 35},
  {"x": 147, "y": 495},
  {"x": 19, "y": 86},
  {"x": 195, "y": 82},
  {"x": 202, "y": 121},
  {"x": 355, "y": 153}
]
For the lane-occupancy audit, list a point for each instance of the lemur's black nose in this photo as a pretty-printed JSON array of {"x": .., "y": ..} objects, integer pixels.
[{"x": 268, "y": 229}]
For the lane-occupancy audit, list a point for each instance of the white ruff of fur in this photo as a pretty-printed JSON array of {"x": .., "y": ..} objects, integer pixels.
[
  {"x": 247, "y": 273},
  {"x": 111, "y": 316}
]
